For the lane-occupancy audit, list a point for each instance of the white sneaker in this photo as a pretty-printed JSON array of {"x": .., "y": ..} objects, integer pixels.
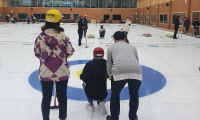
[
  {"x": 89, "y": 107},
  {"x": 103, "y": 108}
]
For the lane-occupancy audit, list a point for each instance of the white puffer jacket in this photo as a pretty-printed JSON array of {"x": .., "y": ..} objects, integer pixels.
[{"x": 126, "y": 27}]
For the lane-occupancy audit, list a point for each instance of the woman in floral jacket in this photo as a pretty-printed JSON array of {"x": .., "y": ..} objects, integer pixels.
[{"x": 53, "y": 48}]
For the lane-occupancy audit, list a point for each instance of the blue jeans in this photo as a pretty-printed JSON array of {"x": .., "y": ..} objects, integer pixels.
[{"x": 90, "y": 100}]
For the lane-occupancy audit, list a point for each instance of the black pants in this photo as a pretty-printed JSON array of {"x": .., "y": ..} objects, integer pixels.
[
  {"x": 102, "y": 34},
  {"x": 126, "y": 36},
  {"x": 116, "y": 87},
  {"x": 61, "y": 90},
  {"x": 175, "y": 33},
  {"x": 80, "y": 33}
]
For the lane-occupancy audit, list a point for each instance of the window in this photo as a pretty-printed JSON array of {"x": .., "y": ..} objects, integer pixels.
[
  {"x": 48, "y": 3},
  {"x": 102, "y": 3},
  {"x": 153, "y": 18},
  {"x": 146, "y": 18},
  {"x": 116, "y": 17},
  {"x": 75, "y": 16},
  {"x": 1, "y": 16},
  {"x": 18, "y": 3},
  {"x": 163, "y": 18},
  {"x": 125, "y": 3},
  {"x": 74, "y": 3},
  {"x": 64, "y": 3},
  {"x": 10, "y": 3},
  {"x": 26, "y": 3},
  {"x": 66, "y": 16},
  {"x": 56, "y": 3},
  {"x": 80, "y": 4},
  {"x": 94, "y": 3},
  {"x": 106, "y": 17},
  {"x": 195, "y": 14},
  {"x": 133, "y": 3},
  {"x": 71, "y": 3},
  {"x": 141, "y": 18},
  {"x": 109, "y": 3},
  {"x": 174, "y": 15},
  {"x": 37, "y": 15},
  {"x": 117, "y": 4},
  {"x": 22, "y": 16},
  {"x": 43, "y": 16}
]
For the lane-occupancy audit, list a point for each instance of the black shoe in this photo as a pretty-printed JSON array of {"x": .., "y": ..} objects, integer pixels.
[
  {"x": 175, "y": 38},
  {"x": 108, "y": 117}
]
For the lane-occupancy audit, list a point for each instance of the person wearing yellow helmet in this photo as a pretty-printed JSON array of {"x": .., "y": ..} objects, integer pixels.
[
  {"x": 85, "y": 24},
  {"x": 53, "y": 48}
]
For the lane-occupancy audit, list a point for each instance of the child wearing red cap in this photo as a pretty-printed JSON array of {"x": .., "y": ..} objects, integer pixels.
[
  {"x": 102, "y": 31},
  {"x": 94, "y": 77},
  {"x": 196, "y": 26}
]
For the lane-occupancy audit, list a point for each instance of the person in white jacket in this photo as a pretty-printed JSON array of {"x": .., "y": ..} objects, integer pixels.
[{"x": 126, "y": 28}]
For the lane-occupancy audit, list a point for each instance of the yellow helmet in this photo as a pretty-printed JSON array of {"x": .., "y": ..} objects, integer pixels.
[
  {"x": 53, "y": 16},
  {"x": 85, "y": 15}
]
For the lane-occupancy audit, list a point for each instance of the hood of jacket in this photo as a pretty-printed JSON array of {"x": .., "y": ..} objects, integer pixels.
[{"x": 51, "y": 36}]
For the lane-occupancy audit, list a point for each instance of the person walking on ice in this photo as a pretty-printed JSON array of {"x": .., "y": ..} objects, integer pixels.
[
  {"x": 123, "y": 67},
  {"x": 196, "y": 26},
  {"x": 94, "y": 77}
]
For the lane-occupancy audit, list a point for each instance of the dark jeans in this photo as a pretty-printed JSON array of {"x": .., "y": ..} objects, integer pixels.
[
  {"x": 90, "y": 100},
  {"x": 175, "y": 33},
  {"x": 61, "y": 90},
  {"x": 187, "y": 29},
  {"x": 116, "y": 87},
  {"x": 126, "y": 34},
  {"x": 80, "y": 33},
  {"x": 102, "y": 34}
]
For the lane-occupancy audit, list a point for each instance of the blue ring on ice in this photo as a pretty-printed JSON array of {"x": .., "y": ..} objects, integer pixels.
[{"x": 153, "y": 81}]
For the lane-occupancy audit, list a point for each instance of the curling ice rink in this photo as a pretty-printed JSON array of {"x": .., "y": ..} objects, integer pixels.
[{"x": 171, "y": 65}]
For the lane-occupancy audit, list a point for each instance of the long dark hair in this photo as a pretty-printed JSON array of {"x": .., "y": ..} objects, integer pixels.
[{"x": 55, "y": 26}]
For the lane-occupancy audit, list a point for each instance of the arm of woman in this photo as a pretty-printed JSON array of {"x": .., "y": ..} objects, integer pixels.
[
  {"x": 37, "y": 49},
  {"x": 69, "y": 49}
]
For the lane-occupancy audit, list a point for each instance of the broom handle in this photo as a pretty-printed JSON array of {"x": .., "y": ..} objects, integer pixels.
[{"x": 55, "y": 95}]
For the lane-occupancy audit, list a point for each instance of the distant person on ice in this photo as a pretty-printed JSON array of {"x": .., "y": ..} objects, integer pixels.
[
  {"x": 196, "y": 26},
  {"x": 123, "y": 67},
  {"x": 126, "y": 28},
  {"x": 185, "y": 25},
  {"x": 176, "y": 26},
  {"x": 94, "y": 77},
  {"x": 80, "y": 30},
  {"x": 102, "y": 31},
  {"x": 28, "y": 19},
  {"x": 53, "y": 49}
]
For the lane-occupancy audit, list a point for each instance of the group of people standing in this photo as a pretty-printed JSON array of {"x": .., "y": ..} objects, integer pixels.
[
  {"x": 53, "y": 47},
  {"x": 186, "y": 26},
  {"x": 32, "y": 18}
]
